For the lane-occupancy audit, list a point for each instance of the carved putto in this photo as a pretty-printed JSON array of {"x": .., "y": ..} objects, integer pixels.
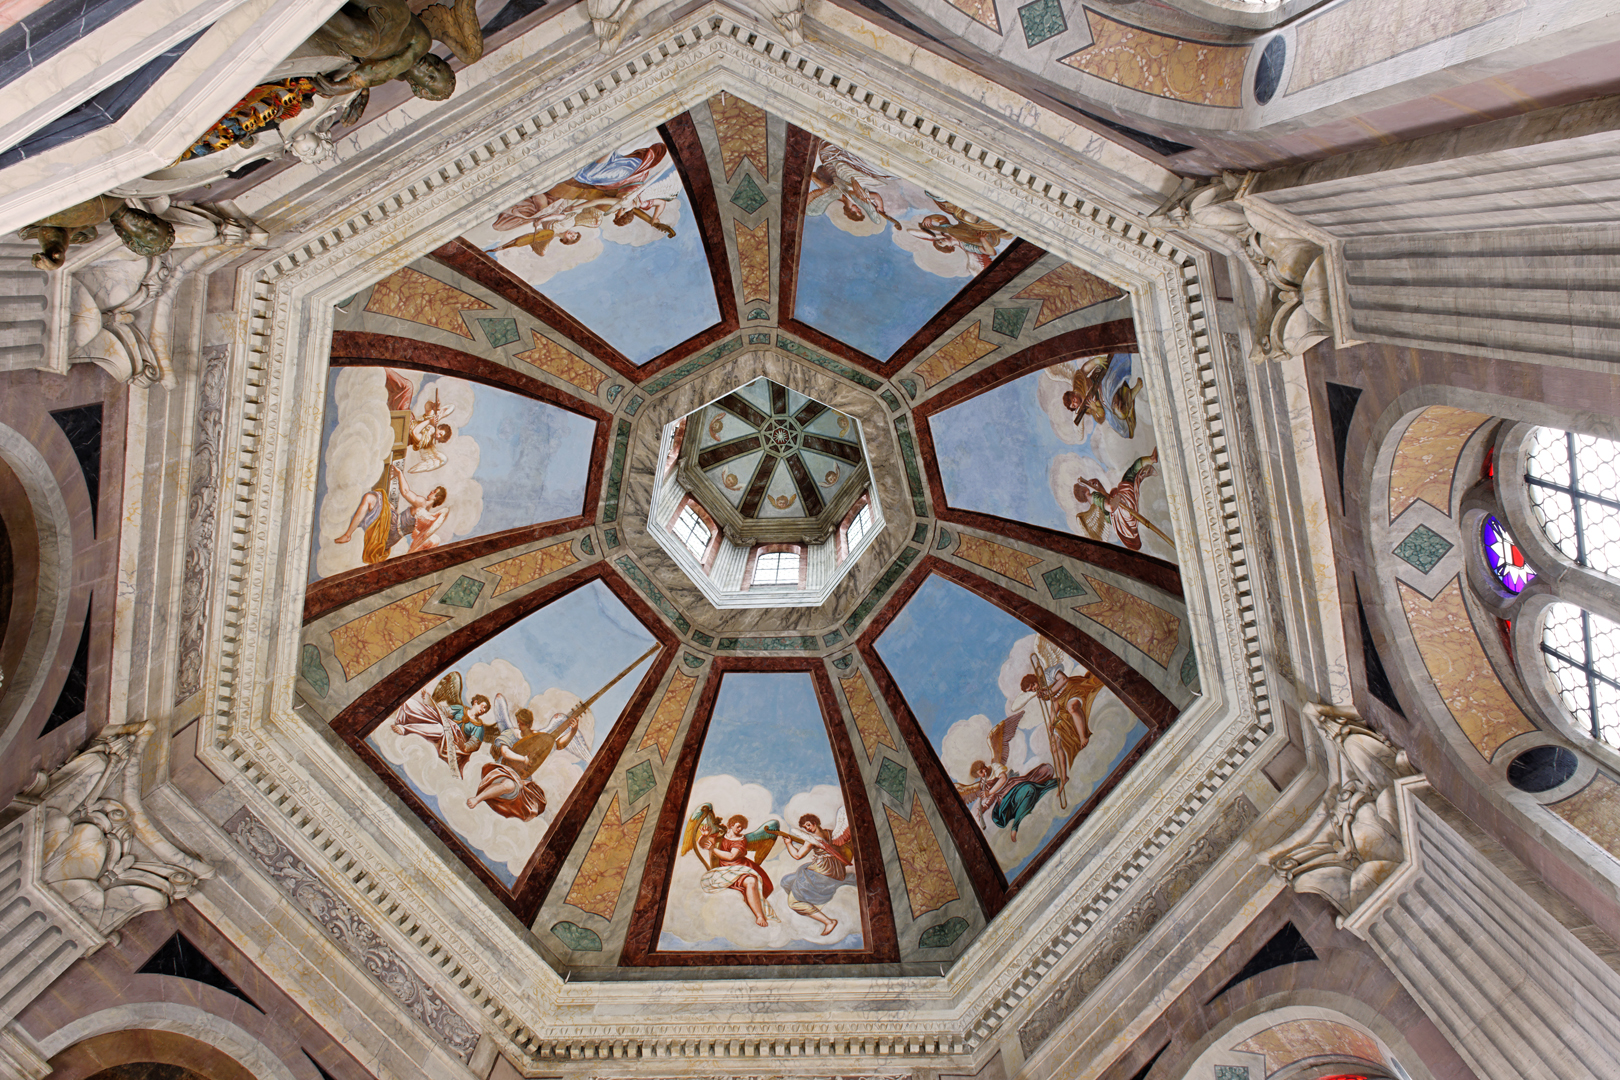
[
  {"x": 1352, "y": 841},
  {"x": 99, "y": 851}
]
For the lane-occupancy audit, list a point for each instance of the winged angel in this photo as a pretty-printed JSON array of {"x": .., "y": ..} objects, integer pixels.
[
  {"x": 731, "y": 857},
  {"x": 1065, "y": 703}
]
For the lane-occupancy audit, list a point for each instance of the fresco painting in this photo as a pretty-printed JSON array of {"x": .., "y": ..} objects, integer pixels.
[
  {"x": 863, "y": 226},
  {"x": 1091, "y": 427},
  {"x": 494, "y": 745},
  {"x": 766, "y": 855},
  {"x": 412, "y": 461},
  {"x": 624, "y": 217},
  {"x": 1024, "y": 731}
]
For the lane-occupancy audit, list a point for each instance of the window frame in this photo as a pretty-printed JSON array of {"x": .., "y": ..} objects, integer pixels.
[
  {"x": 712, "y": 549},
  {"x": 758, "y": 550},
  {"x": 843, "y": 544}
]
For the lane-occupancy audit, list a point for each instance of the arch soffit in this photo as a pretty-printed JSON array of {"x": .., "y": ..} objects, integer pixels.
[
  {"x": 1220, "y": 1045},
  {"x": 207, "y": 1028},
  {"x": 295, "y": 285}
]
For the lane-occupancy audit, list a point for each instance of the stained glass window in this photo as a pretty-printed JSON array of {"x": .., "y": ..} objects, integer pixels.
[
  {"x": 1505, "y": 559},
  {"x": 1575, "y": 488},
  {"x": 1583, "y": 652}
]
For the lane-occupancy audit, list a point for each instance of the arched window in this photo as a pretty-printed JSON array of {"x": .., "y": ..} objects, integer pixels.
[
  {"x": 1548, "y": 567},
  {"x": 691, "y": 530},
  {"x": 775, "y": 565}
]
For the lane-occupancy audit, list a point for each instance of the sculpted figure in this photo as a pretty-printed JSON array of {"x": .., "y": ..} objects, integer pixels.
[
  {"x": 387, "y": 41},
  {"x": 143, "y": 233}
]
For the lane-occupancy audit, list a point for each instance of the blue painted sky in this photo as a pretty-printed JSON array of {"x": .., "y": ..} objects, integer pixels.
[
  {"x": 768, "y": 730},
  {"x": 533, "y": 459},
  {"x": 867, "y": 291},
  {"x": 993, "y": 451},
  {"x": 945, "y": 649},
  {"x": 643, "y": 300}
]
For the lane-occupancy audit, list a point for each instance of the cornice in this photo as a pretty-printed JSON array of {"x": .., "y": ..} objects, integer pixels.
[{"x": 312, "y": 797}]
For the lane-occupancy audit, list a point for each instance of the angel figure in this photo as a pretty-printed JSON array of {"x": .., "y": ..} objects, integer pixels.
[
  {"x": 506, "y": 785},
  {"x": 1100, "y": 505},
  {"x": 424, "y": 433},
  {"x": 618, "y": 187},
  {"x": 386, "y": 41},
  {"x": 1008, "y": 797},
  {"x": 439, "y": 716},
  {"x": 831, "y": 853},
  {"x": 731, "y": 857},
  {"x": 838, "y": 175},
  {"x": 959, "y": 230},
  {"x": 1100, "y": 390},
  {"x": 1065, "y": 702}
]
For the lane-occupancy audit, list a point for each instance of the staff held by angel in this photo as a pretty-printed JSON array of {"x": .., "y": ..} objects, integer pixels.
[
  {"x": 849, "y": 180},
  {"x": 1120, "y": 505},
  {"x": 1101, "y": 390},
  {"x": 1065, "y": 702},
  {"x": 958, "y": 230}
]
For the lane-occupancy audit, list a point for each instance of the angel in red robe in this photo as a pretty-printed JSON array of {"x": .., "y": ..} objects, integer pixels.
[{"x": 725, "y": 852}]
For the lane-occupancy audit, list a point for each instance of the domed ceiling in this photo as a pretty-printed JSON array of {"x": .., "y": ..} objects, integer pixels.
[{"x": 659, "y": 788}]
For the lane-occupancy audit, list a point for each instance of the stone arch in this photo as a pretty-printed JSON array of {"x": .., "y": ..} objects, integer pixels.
[
  {"x": 167, "y": 1032},
  {"x": 1305, "y": 1035}
]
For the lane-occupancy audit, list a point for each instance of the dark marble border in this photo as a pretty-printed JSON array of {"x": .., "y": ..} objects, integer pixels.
[
  {"x": 1144, "y": 700},
  {"x": 373, "y": 707},
  {"x": 1118, "y": 334},
  {"x": 877, "y": 918}
]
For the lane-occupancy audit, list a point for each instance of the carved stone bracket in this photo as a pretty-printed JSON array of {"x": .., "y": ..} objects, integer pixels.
[
  {"x": 1295, "y": 305},
  {"x": 1352, "y": 841},
  {"x": 99, "y": 851}
]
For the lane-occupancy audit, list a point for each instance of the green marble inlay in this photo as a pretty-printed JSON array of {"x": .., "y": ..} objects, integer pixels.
[
  {"x": 621, "y": 445},
  {"x": 884, "y": 583},
  {"x": 1009, "y": 320},
  {"x": 944, "y": 540},
  {"x": 1042, "y": 20},
  {"x": 910, "y": 387},
  {"x": 919, "y": 534},
  {"x": 1062, "y": 584},
  {"x": 1189, "y": 671},
  {"x": 748, "y": 196},
  {"x": 832, "y": 639},
  {"x": 706, "y": 640},
  {"x": 630, "y": 570},
  {"x": 634, "y": 406},
  {"x": 759, "y": 339},
  {"x": 943, "y": 935},
  {"x": 843, "y": 662},
  {"x": 697, "y": 363},
  {"x": 891, "y": 780},
  {"x": 463, "y": 593},
  {"x": 314, "y": 672},
  {"x": 693, "y": 661},
  {"x": 610, "y": 537},
  {"x": 1231, "y": 1072},
  {"x": 759, "y": 313},
  {"x": 577, "y": 937},
  {"x": 499, "y": 332},
  {"x": 890, "y": 400},
  {"x": 787, "y": 344},
  {"x": 587, "y": 545},
  {"x": 639, "y": 779},
  {"x": 908, "y": 453},
  {"x": 614, "y": 391},
  {"x": 767, "y": 644},
  {"x": 343, "y": 304},
  {"x": 1423, "y": 548}
]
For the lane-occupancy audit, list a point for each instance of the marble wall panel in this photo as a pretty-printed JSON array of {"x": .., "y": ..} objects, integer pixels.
[{"x": 1426, "y": 457}]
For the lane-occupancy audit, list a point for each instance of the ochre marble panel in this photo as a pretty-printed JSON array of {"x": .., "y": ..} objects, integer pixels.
[
  {"x": 1460, "y": 669},
  {"x": 1346, "y": 37},
  {"x": 863, "y": 708},
  {"x": 1006, "y": 561},
  {"x": 1065, "y": 290},
  {"x": 600, "y": 879},
  {"x": 922, "y": 861},
  {"x": 667, "y": 720},
  {"x": 741, "y": 128},
  {"x": 361, "y": 642},
  {"x": 413, "y": 296},
  {"x": 531, "y": 566},
  {"x": 754, "y": 257},
  {"x": 1426, "y": 457},
  {"x": 1200, "y": 72},
  {"x": 1296, "y": 1040},
  {"x": 554, "y": 359},
  {"x": 1595, "y": 810},
  {"x": 980, "y": 11},
  {"x": 955, "y": 355},
  {"x": 1147, "y": 626}
]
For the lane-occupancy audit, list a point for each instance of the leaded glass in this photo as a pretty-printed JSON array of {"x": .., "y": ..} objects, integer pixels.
[
  {"x": 1582, "y": 651},
  {"x": 1575, "y": 488},
  {"x": 1505, "y": 559}
]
